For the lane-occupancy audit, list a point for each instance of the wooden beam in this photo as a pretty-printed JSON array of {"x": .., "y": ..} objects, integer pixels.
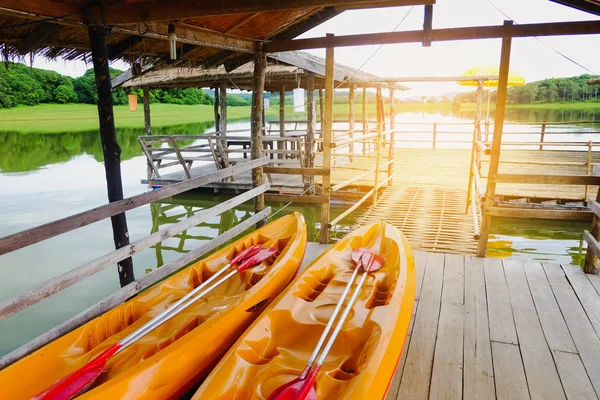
[
  {"x": 164, "y": 10},
  {"x": 589, "y": 6},
  {"x": 256, "y": 134},
  {"x": 544, "y": 179},
  {"x": 571, "y": 215},
  {"x": 440, "y": 35},
  {"x": 55, "y": 228},
  {"x": 40, "y": 9},
  {"x": 40, "y": 32},
  {"x": 427, "y": 25},
  {"x": 223, "y": 108},
  {"x": 327, "y": 129},
  {"x": 486, "y": 220},
  {"x": 295, "y": 198},
  {"x": 13, "y": 305}
]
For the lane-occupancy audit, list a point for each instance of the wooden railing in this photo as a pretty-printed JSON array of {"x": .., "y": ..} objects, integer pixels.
[{"x": 19, "y": 240}]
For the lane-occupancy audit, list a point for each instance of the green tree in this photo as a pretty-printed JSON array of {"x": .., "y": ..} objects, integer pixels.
[{"x": 65, "y": 93}]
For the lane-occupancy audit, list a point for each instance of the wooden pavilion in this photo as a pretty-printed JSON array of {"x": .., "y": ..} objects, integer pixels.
[{"x": 482, "y": 328}]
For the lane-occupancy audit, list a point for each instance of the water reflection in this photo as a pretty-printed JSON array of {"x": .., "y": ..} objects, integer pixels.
[
  {"x": 541, "y": 240},
  {"x": 539, "y": 115}
]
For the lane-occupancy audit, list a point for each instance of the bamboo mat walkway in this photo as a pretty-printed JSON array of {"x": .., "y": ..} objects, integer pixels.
[
  {"x": 432, "y": 218},
  {"x": 506, "y": 329}
]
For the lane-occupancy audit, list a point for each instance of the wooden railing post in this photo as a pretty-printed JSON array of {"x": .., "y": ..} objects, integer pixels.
[
  {"x": 365, "y": 117},
  {"x": 260, "y": 67},
  {"x": 147, "y": 127},
  {"x": 542, "y": 134},
  {"x": 589, "y": 168},
  {"x": 434, "y": 134},
  {"x": 392, "y": 136},
  {"x": 223, "y": 105},
  {"x": 327, "y": 139},
  {"x": 110, "y": 147},
  {"x": 310, "y": 129},
  {"x": 351, "y": 120},
  {"x": 592, "y": 262},
  {"x": 496, "y": 142},
  {"x": 281, "y": 145},
  {"x": 380, "y": 115}
]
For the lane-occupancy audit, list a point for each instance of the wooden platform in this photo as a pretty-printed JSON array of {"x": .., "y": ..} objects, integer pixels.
[{"x": 491, "y": 328}]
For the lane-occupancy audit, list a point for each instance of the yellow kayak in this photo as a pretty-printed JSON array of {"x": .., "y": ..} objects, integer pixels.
[
  {"x": 178, "y": 354},
  {"x": 362, "y": 361}
]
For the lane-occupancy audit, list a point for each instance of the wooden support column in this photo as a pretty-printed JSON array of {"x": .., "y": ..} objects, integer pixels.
[
  {"x": 365, "y": 118},
  {"x": 592, "y": 263},
  {"x": 280, "y": 144},
  {"x": 223, "y": 106},
  {"x": 258, "y": 99},
  {"x": 110, "y": 147},
  {"x": 216, "y": 110},
  {"x": 380, "y": 119},
  {"x": 147, "y": 126},
  {"x": 310, "y": 129},
  {"x": 327, "y": 138},
  {"x": 392, "y": 136},
  {"x": 322, "y": 111},
  {"x": 351, "y": 120},
  {"x": 496, "y": 142},
  {"x": 475, "y": 150}
]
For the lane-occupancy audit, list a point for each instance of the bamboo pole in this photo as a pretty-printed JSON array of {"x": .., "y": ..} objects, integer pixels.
[
  {"x": 147, "y": 127},
  {"x": 260, "y": 67},
  {"x": 110, "y": 147},
  {"x": 223, "y": 105},
  {"x": 327, "y": 134},
  {"x": 351, "y": 119},
  {"x": 392, "y": 137},
  {"x": 310, "y": 129},
  {"x": 216, "y": 110},
  {"x": 281, "y": 145},
  {"x": 496, "y": 142}
]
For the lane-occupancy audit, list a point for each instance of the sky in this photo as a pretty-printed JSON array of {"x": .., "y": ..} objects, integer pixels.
[{"x": 532, "y": 58}]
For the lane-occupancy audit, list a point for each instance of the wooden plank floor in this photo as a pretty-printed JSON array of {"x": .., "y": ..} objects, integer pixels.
[{"x": 506, "y": 329}]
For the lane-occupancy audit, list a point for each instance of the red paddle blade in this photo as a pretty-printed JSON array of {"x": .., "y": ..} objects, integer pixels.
[
  {"x": 372, "y": 262},
  {"x": 249, "y": 252},
  {"x": 69, "y": 386},
  {"x": 298, "y": 389},
  {"x": 257, "y": 258},
  {"x": 357, "y": 254}
]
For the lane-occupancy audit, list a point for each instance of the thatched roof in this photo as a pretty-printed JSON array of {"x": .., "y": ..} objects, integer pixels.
[
  {"x": 209, "y": 32},
  {"x": 288, "y": 69},
  {"x": 594, "y": 81}
]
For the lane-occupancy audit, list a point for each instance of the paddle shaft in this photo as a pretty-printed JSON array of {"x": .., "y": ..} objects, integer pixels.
[
  {"x": 330, "y": 323},
  {"x": 181, "y": 305}
]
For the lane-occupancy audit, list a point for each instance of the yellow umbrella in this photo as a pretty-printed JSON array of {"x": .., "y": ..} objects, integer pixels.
[{"x": 514, "y": 79}]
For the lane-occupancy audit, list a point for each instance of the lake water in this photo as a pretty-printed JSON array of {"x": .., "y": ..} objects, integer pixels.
[{"x": 44, "y": 177}]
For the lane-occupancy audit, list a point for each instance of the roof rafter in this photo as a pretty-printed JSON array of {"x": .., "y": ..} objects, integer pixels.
[{"x": 163, "y": 10}]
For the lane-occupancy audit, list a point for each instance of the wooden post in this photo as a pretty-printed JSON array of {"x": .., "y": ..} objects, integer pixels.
[
  {"x": 434, "y": 134},
  {"x": 258, "y": 92},
  {"x": 351, "y": 120},
  {"x": 365, "y": 117},
  {"x": 392, "y": 136},
  {"x": 147, "y": 127},
  {"x": 110, "y": 147},
  {"x": 223, "y": 101},
  {"x": 478, "y": 122},
  {"x": 475, "y": 150},
  {"x": 216, "y": 110},
  {"x": 281, "y": 144},
  {"x": 380, "y": 117},
  {"x": 327, "y": 136},
  {"x": 322, "y": 111},
  {"x": 496, "y": 142},
  {"x": 542, "y": 134},
  {"x": 310, "y": 128},
  {"x": 589, "y": 168}
]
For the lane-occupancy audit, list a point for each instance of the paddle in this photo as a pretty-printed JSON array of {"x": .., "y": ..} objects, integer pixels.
[
  {"x": 303, "y": 387},
  {"x": 81, "y": 379}
]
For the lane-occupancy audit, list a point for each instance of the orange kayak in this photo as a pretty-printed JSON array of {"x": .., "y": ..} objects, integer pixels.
[
  {"x": 362, "y": 361},
  {"x": 178, "y": 354}
]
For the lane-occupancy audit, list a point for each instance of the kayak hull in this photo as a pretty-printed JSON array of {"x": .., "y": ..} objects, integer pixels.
[
  {"x": 177, "y": 355},
  {"x": 363, "y": 359}
]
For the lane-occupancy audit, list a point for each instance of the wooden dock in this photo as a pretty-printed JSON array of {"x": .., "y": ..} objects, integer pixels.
[{"x": 505, "y": 329}]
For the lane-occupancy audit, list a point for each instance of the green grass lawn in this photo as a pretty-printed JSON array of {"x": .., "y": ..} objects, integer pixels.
[{"x": 55, "y": 118}]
